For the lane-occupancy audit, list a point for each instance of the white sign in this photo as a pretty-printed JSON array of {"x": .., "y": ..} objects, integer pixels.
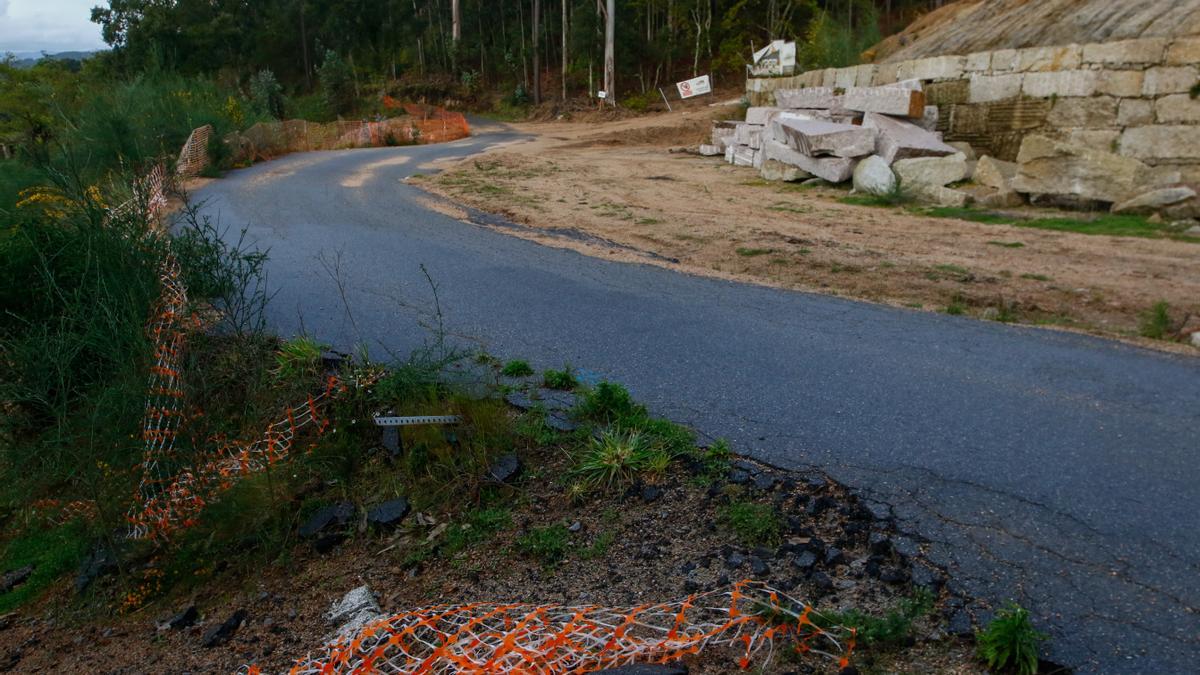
[
  {"x": 777, "y": 58},
  {"x": 694, "y": 87},
  {"x": 602, "y": 94}
]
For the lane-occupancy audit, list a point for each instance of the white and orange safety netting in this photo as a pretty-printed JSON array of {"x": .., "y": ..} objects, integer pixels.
[{"x": 752, "y": 619}]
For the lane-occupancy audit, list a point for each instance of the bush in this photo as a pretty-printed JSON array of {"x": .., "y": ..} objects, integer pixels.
[
  {"x": 560, "y": 379},
  {"x": 1010, "y": 642},
  {"x": 516, "y": 368}
]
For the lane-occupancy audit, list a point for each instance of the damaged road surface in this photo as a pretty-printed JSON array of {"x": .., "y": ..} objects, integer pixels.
[{"x": 1049, "y": 468}]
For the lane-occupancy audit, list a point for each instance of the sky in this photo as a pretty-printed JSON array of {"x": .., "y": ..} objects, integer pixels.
[{"x": 49, "y": 25}]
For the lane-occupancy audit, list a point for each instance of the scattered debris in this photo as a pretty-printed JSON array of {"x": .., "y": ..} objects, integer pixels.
[
  {"x": 221, "y": 633},
  {"x": 184, "y": 619},
  {"x": 356, "y": 609}
]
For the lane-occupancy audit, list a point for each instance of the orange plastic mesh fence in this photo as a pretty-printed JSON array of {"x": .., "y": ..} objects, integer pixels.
[
  {"x": 752, "y": 619},
  {"x": 173, "y": 490}
]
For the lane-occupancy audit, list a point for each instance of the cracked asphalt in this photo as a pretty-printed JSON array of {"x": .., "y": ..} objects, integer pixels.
[{"x": 1057, "y": 470}]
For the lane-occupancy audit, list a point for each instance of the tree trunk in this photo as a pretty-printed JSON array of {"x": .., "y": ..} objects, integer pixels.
[
  {"x": 537, "y": 65},
  {"x": 455, "y": 21},
  {"x": 304, "y": 48},
  {"x": 564, "y": 50},
  {"x": 610, "y": 61}
]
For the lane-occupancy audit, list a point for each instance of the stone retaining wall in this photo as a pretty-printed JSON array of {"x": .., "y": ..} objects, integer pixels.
[{"x": 1133, "y": 97}]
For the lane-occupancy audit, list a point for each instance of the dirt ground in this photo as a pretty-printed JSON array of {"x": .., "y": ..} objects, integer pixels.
[
  {"x": 627, "y": 550},
  {"x": 626, "y": 190}
]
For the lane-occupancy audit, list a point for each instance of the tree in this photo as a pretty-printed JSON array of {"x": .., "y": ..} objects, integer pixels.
[
  {"x": 537, "y": 66},
  {"x": 610, "y": 63},
  {"x": 337, "y": 84},
  {"x": 267, "y": 94}
]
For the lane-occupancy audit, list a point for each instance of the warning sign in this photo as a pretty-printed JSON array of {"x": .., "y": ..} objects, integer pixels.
[{"x": 694, "y": 87}]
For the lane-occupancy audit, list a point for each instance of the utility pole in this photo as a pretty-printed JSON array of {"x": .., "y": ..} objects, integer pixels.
[
  {"x": 610, "y": 63},
  {"x": 537, "y": 68}
]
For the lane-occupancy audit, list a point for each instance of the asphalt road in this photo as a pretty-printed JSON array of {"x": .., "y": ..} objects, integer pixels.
[{"x": 1053, "y": 469}]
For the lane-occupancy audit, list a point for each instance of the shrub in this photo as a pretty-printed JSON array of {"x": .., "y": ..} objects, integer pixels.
[
  {"x": 560, "y": 379},
  {"x": 547, "y": 544},
  {"x": 616, "y": 458},
  {"x": 1010, "y": 642},
  {"x": 516, "y": 368},
  {"x": 1156, "y": 322},
  {"x": 267, "y": 93},
  {"x": 337, "y": 83}
]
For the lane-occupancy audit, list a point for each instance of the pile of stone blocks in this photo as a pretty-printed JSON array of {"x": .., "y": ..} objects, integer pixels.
[{"x": 876, "y": 136}]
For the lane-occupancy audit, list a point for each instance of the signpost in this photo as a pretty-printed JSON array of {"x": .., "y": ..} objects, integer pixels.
[
  {"x": 777, "y": 58},
  {"x": 694, "y": 87}
]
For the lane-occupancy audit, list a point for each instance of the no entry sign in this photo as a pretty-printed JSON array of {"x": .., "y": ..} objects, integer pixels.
[{"x": 694, "y": 87}]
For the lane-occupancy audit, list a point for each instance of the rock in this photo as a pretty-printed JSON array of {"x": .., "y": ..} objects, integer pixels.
[
  {"x": 898, "y": 101},
  {"x": 560, "y": 422},
  {"x": 708, "y": 150},
  {"x": 15, "y": 578},
  {"x": 722, "y": 133},
  {"x": 575, "y": 527},
  {"x": 356, "y": 609},
  {"x": 651, "y": 493},
  {"x": 943, "y": 196},
  {"x": 893, "y": 575},
  {"x": 327, "y": 542},
  {"x": 874, "y": 176},
  {"x": 926, "y": 172},
  {"x": 831, "y": 169},
  {"x": 221, "y": 633},
  {"x": 816, "y": 138},
  {"x": 505, "y": 469},
  {"x": 764, "y": 481},
  {"x": 965, "y": 148},
  {"x": 994, "y": 173},
  {"x": 739, "y": 476},
  {"x": 749, "y": 135},
  {"x": 822, "y": 581},
  {"x": 99, "y": 563},
  {"x": 520, "y": 400},
  {"x": 812, "y": 97},
  {"x": 1050, "y": 167},
  {"x": 326, "y": 517},
  {"x": 805, "y": 561},
  {"x": 757, "y": 567},
  {"x": 388, "y": 514},
  {"x": 1195, "y": 339},
  {"x": 743, "y": 155},
  {"x": 929, "y": 120},
  {"x": 184, "y": 619},
  {"x": 775, "y": 170},
  {"x": 879, "y": 543},
  {"x": 1149, "y": 202},
  {"x": 898, "y": 139},
  {"x": 925, "y": 577},
  {"x": 735, "y": 560},
  {"x": 834, "y": 557},
  {"x": 959, "y": 624}
]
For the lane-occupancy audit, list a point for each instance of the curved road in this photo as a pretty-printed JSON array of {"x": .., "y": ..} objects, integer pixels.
[{"x": 1055, "y": 469}]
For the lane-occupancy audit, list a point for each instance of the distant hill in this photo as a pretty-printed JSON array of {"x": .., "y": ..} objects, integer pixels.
[
  {"x": 30, "y": 59},
  {"x": 985, "y": 25}
]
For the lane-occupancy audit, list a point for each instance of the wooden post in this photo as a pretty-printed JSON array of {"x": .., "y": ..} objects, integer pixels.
[
  {"x": 610, "y": 63},
  {"x": 537, "y": 67}
]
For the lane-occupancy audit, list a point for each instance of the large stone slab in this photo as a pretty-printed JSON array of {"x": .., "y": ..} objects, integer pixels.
[
  {"x": 743, "y": 155},
  {"x": 1155, "y": 200},
  {"x": 723, "y": 131},
  {"x": 828, "y": 139},
  {"x": 929, "y": 172},
  {"x": 817, "y": 98},
  {"x": 749, "y": 134},
  {"x": 761, "y": 115},
  {"x": 994, "y": 173},
  {"x": 775, "y": 170},
  {"x": 832, "y": 169},
  {"x": 898, "y": 139},
  {"x": 1050, "y": 167},
  {"x": 1162, "y": 142},
  {"x": 899, "y": 101}
]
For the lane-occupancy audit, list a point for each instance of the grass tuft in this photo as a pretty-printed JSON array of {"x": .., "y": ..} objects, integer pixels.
[
  {"x": 1010, "y": 642},
  {"x": 517, "y": 368},
  {"x": 1156, "y": 323},
  {"x": 754, "y": 524}
]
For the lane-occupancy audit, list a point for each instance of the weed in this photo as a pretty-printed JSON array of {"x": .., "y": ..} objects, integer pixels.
[
  {"x": 479, "y": 526},
  {"x": 1104, "y": 224},
  {"x": 1035, "y": 277},
  {"x": 754, "y": 524},
  {"x": 1156, "y": 322},
  {"x": 788, "y": 208},
  {"x": 896, "y": 195},
  {"x": 51, "y": 553},
  {"x": 599, "y": 547},
  {"x": 1007, "y": 244},
  {"x": 890, "y": 630},
  {"x": 648, "y": 221},
  {"x": 298, "y": 358},
  {"x": 608, "y": 403},
  {"x": 547, "y": 544},
  {"x": 1010, "y": 642},
  {"x": 1006, "y": 312},
  {"x": 754, "y": 252},
  {"x": 957, "y": 306},
  {"x": 1194, "y": 92},
  {"x": 560, "y": 379},
  {"x": 516, "y": 368},
  {"x": 615, "y": 458}
]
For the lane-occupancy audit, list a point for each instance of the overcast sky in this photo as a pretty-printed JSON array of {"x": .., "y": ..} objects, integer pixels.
[{"x": 50, "y": 25}]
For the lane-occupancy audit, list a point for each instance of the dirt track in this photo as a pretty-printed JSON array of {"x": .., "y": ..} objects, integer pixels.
[{"x": 620, "y": 182}]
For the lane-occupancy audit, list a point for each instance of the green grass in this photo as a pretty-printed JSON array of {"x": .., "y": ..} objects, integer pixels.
[
  {"x": 478, "y": 526},
  {"x": 617, "y": 458},
  {"x": 1102, "y": 224},
  {"x": 957, "y": 306},
  {"x": 754, "y": 252},
  {"x": 893, "y": 629},
  {"x": 1035, "y": 277},
  {"x": 1010, "y": 642},
  {"x": 1156, "y": 322},
  {"x": 547, "y": 544},
  {"x": 516, "y": 368},
  {"x": 599, "y": 547},
  {"x": 1007, "y": 244},
  {"x": 52, "y": 552},
  {"x": 754, "y": 524}
]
